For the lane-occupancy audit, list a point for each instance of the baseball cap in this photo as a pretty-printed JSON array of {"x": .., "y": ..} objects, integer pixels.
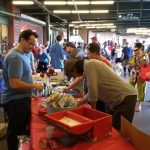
[
  {"x": 137, "y": 46},
  {"x": 70, "y": 44},
  {"x": 69, "y": 64},
  {"x": 94, "y": 38}
]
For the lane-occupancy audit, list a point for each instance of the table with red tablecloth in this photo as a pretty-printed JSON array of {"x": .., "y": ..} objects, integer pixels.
[{"x": 38, "y": 130}]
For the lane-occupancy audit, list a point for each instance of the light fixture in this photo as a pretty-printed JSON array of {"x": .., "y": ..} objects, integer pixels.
[
  {"x": 78, "y": 2},
  {"x": 97, "y": 25},
  {"x": 76, "y": 27},
  {"x": 140, "y": 33},
  {"x": 71, "y": 25},
  {"x": 84, "y": 25},
  {"x": 80, "y": 11},
  {"x": 104, "y": 24},
  {"x": 99, "y": 11},
  {"x": 77, "y": 21},
  {"x": 137, "y": 30},
  {"x": 113, "y": 30},
  {"x": 91, "y": 21},
  {"x": 62, "y": 11},
  {"x": 55, "y": 3},
  {"x": 100, "y": 27},
  {"x": 22, "y": 2},
  {"x": 107, "y": 27},
  {"x": 102, "y": 2},
  {"x": 90, "y": 27}
]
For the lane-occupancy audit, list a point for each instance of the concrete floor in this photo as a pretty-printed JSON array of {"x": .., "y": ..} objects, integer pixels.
[{"x": 141, "y": 119}]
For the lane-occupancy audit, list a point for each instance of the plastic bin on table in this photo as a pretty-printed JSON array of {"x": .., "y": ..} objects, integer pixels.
[
  {"x": 102, "y": 122},
  {"x": 98, "y": 123},
  {"x": 70, "y": 122}
]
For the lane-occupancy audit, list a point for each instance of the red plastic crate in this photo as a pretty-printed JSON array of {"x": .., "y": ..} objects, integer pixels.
[
  {"x": 42, "y": 111},
  {"x": 84, "y": 126},
  {"x": 102, "y": 122}
]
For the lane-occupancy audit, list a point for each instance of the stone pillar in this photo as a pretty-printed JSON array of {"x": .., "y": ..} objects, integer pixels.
[
  {"x": 11, "y": 22},
  {"x": 48, "y": 27},
  {"x": 68, "y": 31}
]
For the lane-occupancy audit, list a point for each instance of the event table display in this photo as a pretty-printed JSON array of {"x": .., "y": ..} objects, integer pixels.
[
  {"x": 38, "y": 133},
  {"x": 73, "y": 129}
]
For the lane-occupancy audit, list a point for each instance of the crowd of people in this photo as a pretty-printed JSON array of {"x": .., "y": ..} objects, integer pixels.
[{"x": 91, "y": 68}]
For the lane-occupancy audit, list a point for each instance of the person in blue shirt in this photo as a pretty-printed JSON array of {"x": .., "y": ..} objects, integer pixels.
[
  {"x": 18, "y": 85},
  {"x": 43, "y": 60},
  {"x": 1, "y": 60},
  {"x": 32, "y": 59},
  {"x": 126, "y": 55},
  {"x": 57, "y": 54}
]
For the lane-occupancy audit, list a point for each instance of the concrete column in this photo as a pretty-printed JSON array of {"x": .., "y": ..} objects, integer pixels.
[
  {"x": 47, "y": 27},
  {"x": 11, "y": 23},
  {"x": 87, "y": 36},
  {"x": 68, "y": 31}
]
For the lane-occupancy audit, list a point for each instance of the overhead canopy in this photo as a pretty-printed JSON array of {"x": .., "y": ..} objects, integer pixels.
[{"x": 120, "y": 13}]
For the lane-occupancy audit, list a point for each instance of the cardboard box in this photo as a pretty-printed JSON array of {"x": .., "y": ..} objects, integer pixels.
[{"x": 138, "y": 138}]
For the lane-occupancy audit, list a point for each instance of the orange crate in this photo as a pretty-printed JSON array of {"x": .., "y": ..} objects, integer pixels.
[
  {"x": 102, "y": 122},
  {"x": 71, "y": 122}
]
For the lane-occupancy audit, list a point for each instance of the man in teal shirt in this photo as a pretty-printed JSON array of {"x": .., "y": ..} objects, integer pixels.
[{"x": 18, "y": 85}]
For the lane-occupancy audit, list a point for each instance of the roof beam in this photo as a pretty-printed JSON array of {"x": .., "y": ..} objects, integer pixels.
[
  {"x": 43, "y": 7},
  {"x": 19, "y": 17}
]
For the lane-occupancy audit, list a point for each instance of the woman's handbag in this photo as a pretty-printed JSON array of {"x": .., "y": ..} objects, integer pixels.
[{"x": 145, "y": 73}]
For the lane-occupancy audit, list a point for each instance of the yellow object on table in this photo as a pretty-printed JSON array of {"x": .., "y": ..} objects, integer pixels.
[{"x": 69, "y": 121}]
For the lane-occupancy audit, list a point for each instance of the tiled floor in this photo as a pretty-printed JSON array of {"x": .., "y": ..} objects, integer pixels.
[{"x": 141, "y": 119}]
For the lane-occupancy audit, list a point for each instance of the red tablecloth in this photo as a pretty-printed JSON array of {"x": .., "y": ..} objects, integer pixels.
[{"x": 116, "y": 141}]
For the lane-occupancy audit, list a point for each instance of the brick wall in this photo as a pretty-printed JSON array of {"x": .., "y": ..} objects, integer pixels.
[{"x": 36, "y": 28}]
